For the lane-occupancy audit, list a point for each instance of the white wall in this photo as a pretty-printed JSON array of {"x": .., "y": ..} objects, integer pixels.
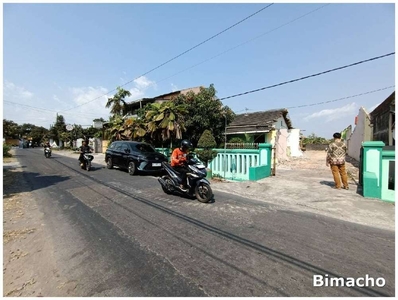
[
  {"x": 280, "y": 123},
  {"x": 361, "y": 133},
  {"x": 287, "y": 143},
  {"x": 293, "y": 142}
]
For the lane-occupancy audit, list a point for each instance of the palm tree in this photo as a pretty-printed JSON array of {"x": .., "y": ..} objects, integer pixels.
[{"x": 117, "y": 101}]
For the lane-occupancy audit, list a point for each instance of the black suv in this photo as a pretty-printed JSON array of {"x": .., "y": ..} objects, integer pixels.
[{"x": 135, "y": 157}]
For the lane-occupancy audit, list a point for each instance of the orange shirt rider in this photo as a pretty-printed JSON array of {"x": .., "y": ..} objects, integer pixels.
[{"x": 178, "y": 157}]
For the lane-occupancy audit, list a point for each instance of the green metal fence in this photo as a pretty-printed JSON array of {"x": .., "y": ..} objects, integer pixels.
[{"x": 239, "y": 164}]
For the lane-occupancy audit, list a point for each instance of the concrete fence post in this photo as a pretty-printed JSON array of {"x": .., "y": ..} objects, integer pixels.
[{"x": 372, "y": 168}]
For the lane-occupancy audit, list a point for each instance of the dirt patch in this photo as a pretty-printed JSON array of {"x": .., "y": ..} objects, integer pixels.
[
  {"x": 29, "y": 267},
  {"x": 305, "y": 184},
  {"x": 313, "y": 160}
]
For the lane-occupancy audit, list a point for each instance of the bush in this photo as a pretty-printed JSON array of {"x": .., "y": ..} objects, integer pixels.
[
  {"x": 207, "y": 142},
  {"x": 236, "y": 140},
  {"x": 6, "y": 149}
]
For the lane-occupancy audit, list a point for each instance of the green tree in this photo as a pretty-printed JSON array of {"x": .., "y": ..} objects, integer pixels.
[
  {"x": 6, "y": 150},
  {"x": 205, "y": 111},
  {"x": 115, "y": 128},
  {"x": 314, "y": 139},
  {"x": 137, "y": 127},
  {"x": 117, "y": 102},
  {"x": 165, "y": 121},
  {"x": 207, "y": 142},
  {"x": 38, "y": 134},
  {"x": 58, "y": 128},
  {"x": 11, "y": 130}
]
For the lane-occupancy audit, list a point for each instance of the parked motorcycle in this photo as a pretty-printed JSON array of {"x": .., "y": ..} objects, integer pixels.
[
  {"x": 86, "y": 165},
  {"x": 198, "y": 185},
  {"x": 47, "y": 152}
]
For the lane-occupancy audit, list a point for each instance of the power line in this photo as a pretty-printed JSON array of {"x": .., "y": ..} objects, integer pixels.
[
  {"x": 340, "y": 99},
  {"x": 309, "y": 76},
  {"x": 330, "y": 101},
  {"x": 246, "y": 42},
  {"x": 179, "y": 55},
  {"x": 47, "y": 110}
]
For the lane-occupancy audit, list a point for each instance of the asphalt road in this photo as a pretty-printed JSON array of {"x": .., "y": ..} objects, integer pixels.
[{"x": 120, "y": 235}]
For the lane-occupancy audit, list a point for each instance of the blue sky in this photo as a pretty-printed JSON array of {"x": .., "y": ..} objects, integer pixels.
[{"x": 59, "y": 56}]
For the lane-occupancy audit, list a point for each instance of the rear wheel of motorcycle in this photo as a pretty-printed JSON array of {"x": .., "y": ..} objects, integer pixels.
[
  {"x": 169, "y": 183},
  {"x": 109, "y": 163},
  {"x": 132, "y": 168},
  {"x": 203, "y": 192}
]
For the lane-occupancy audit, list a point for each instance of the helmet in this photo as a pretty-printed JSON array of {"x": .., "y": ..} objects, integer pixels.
[{"x": 186, "y": 144}]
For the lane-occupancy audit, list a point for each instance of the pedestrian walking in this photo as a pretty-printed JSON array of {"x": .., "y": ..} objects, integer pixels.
[{"x": 335, "y": 158}]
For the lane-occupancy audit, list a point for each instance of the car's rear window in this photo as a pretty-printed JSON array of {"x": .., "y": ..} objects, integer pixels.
[{"x": 145, "y": 148}]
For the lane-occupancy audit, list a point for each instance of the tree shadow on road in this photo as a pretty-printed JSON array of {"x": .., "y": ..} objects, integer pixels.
[{"x": 15, "y": 182}]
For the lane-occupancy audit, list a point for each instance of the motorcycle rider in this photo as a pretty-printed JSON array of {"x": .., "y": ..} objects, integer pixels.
[
  {"x": 84, "y": 148},
  {"x": 47, "y": 145},
  {"x": 178, "y": 160}
]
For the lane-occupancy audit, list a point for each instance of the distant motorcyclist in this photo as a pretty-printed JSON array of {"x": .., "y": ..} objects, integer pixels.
[
  {"x": 179, "y": 159},
  {"x": 84, "y": 148},
  {"x": 47, "y": 145}
]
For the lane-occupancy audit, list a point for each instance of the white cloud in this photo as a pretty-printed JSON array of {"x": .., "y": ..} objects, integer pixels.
[
  {"x": 174, "y": 87},
  {"x": 58, "y": 86},
  {"x": 87, "y": 109},
  {"x": 135, "y": 94},
  {"x": 90, "y": 102},
  {"x": 23, "y": 112},
  {"x": 143, "y": 83},
  {"x": 55, "y": 98},
  {"x": 333, "y": 114},
  {"x": 13, "y": 91}
]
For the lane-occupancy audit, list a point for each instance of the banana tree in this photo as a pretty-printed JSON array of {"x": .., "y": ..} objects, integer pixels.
[
  {"x": 166, "y": 121},
  {"x": 134, "y": 128},
  {"x": 115, "y": 128}
]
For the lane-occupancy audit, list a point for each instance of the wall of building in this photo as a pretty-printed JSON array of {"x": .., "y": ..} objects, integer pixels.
[
  {"x": 381, "y": 129},
  {"x": 281, "y": 145},
  {"x": 280, "y": 123},
  {"x": 361, "y": 133},
  {"x": 293, "y": 143}
]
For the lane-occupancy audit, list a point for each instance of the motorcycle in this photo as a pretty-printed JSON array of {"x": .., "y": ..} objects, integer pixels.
[
  {"x": 198, "y": 185},
  {"x": 47, "y": 152},
  {"x": 86, "y": 165}
]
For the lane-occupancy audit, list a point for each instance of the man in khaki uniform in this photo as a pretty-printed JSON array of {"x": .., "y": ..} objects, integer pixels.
[{"x": 335, "y": 157}]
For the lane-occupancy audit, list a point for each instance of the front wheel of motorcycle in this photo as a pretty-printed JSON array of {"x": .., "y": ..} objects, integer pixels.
[
  {"x": 203, "y": 192},
  {"x": 88, "y": 166}
]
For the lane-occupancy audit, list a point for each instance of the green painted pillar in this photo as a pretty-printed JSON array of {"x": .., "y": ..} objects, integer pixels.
[
  {"x": 266, "y": 157},
  {"x": 372, "y": 166}
]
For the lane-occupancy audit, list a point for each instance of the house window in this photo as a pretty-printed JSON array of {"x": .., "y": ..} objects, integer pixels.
[{"x": 259, "y": 138}]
